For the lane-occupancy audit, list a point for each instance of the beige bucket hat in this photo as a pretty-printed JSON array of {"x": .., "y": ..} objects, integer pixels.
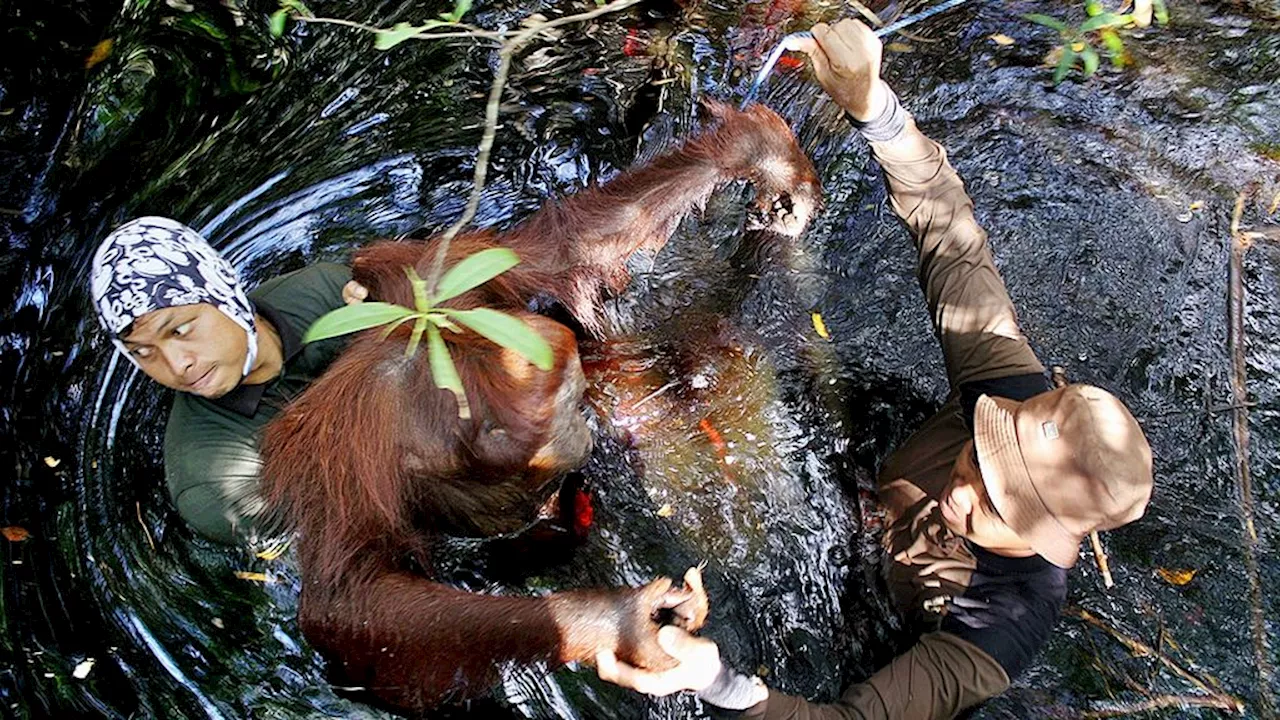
[{"x": 1061, "y": 464}]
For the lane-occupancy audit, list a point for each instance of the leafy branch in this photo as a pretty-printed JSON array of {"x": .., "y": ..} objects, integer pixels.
[
  {"x": 429, "y": 318},
  {"x": 449, "y": 26},
  {"x": 1101, "y": 27}
]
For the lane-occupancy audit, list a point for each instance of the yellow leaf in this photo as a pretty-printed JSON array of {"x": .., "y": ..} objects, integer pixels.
[
  {"x": 13, "y": 533},
  {"x": 1078, "y": 47},
  {"x": 1196, "y": 205},
  {"x": 255, "y": 576},
  {"x": 820, "y": 327},
  {"x": 666, "y": 511},
  {"x": 52, "y": 462},
  {"x": 1002, "y": 39},
  {"x": 275, "y": 551},
  {"x": 899, "y": 47},
  {"x": 1176, "y": 577},
  {"x": 101, "y": 52}
]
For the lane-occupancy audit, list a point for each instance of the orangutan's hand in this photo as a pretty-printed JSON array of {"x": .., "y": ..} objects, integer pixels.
[
  {"x": 353, "y": 292},
  {"x": 642, "y": 614},
  {"x": 846, "y": 59}
]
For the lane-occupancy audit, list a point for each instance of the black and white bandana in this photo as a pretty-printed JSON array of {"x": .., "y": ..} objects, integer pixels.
[{"x": 152, "y": 263}]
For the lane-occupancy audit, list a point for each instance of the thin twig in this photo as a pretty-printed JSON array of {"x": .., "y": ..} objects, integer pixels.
[
  {"x": 1236, "y": 343},
  {"x": 1059, "y": 375},
  {"x": 1161, "y": 702},
  {"x": 466, "y": 32},
  {"x": 509, "y": 47},
  {"x": 1141, "y": 649},
  {"x": 138, "y": 507}
]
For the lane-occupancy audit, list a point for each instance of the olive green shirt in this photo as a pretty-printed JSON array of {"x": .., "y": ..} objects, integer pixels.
[{"x": 211, "y": 446}]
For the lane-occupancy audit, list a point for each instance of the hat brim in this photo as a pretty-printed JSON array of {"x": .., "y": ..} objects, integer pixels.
[{"x": 1009, "y": 482}]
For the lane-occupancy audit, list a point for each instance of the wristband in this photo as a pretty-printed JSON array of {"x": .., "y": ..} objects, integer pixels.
[
  {"x": 885, "y": 126},
  {"x": 734, "y": 691}
]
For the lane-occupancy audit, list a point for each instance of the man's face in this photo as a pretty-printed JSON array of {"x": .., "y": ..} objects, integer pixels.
[
  {"x": 189, "y": 348},
  {"x": 967, "y": 509}
]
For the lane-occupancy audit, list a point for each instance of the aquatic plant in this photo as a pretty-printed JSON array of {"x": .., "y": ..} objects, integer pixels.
[
  {"x": 429, "y": 318},
  {"x": 1101, "y": 27}
]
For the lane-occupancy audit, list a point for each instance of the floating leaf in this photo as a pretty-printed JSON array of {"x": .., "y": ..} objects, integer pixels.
[
  {"x": 1142, "y": 13},
  {"x": 354, "y": 318},
  {"x": 1092, "y": 7},
  {"x": 1198, "y": 204},
  {"x": 1047, "y": 21},
  {"x": 474, "y": 271},
  {"x": 100, "y": 52},
  {"x": 385, "y": 39},
  {"x": 273, "y": 552},
  {"x": 52, "y": 462},
  {"x": 443, "y": 371},
  {"x": 666, "y": 511},
  {"x": 13, "y": 533},
  {"x": 297, "y": 7},
  {"x": 1090, "y": 58},
  {"x": 82, "y": 669},
  {"x": 1002, "y": 39},
  {"x": 1176, "y": 577},
  {"x": 820, "y": 327},
  {"x": 255, "y": 576},
  {"x": 278, "y": 19},
  {"x": 509, "y": 332}
]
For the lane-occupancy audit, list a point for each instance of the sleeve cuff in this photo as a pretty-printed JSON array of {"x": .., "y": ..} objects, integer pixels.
[
  {"x": 889, "y": 123},
  {"x": 734, "y": 691}
]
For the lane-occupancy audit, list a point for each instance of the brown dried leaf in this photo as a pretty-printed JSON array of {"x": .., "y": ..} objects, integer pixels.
[
  {"x": 1002, "y": 40},
  {"x": 101, "y": 52},
  {"x": 1176, "y": 577},
  {"x": 666, "y": 511},
  {"x": 13, "y": 533}
]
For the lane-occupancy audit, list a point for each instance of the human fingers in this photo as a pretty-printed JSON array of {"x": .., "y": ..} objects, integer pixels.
[
  {"x": 353, "y": 292},
  {"x": 610, "y": 669}
]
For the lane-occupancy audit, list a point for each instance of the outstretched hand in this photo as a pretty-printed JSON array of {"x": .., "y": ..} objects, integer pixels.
[
  {"x": 639, "y": 631},
  {"x": 697, "y": 663},
  {"x": 846, "y": 59}
]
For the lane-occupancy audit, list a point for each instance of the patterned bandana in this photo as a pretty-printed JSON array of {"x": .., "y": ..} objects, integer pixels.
[{"x": 153, "y": 263}]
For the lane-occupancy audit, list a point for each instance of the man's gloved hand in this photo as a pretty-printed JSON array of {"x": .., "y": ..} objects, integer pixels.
[
  {"x": 846, "y": 59},
  {"x": 698, "y": 665}
]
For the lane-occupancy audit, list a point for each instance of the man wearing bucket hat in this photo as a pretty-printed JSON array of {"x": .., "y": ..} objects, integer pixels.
[
  {"x": 988, "y": 501},
  {"x": 178, "y": 311}
]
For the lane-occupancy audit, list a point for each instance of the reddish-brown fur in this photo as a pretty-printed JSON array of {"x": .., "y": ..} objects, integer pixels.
[{"x": 372, "y": 460}]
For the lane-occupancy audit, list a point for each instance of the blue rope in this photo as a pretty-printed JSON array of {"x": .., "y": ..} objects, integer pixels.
[{"x": 776, "y": 55}]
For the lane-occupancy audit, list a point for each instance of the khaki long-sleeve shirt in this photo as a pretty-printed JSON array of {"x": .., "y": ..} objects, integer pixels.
[{"x": 1009, "y": 604}]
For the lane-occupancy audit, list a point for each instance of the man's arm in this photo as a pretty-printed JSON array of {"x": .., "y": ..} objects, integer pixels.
[
  {"x": 937, "y": 678},
  {"x": 972, "y": 314}
]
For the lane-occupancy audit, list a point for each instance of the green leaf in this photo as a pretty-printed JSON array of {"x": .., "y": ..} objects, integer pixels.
[
  {"x": 415, "y": 337},
  {"x": 509, "y": 332},
  {"x": 1161, "y": 11},
  {"x": 419, "y": 290},
  {"x": 1115, "y": 47},
  {"x": 385, "y": 39},
  {"x": 1090, "y": 58},
  {"x": 1104, "y": 20},
  {"x": 391, "y": 327},
  {"x": 475, "y": 270},
  {"x": 460, "y": 8},
  {"x": 297, "y": 7},
  {"x": 1047, "y": 21},
  {"x": 443, "y": 371},
  {"x": 278, "y": 19},
  {"x": 441, "y": 320},
  {"x": 1065, "y": 63},
  {"x": 1092, "y": 8},
  {"x": 354, "y": 318}
]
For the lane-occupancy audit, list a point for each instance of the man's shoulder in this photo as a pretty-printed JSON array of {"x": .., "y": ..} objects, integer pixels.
[{"x": 198, "y": 429}]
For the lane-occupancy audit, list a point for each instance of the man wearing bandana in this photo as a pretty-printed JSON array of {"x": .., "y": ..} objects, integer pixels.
[
  {"x": 987, "y": 503},
  {"x": 178, "y": 311}
]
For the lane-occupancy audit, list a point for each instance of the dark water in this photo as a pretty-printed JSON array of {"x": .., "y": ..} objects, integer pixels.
[{"x": 758, "y": 449}]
